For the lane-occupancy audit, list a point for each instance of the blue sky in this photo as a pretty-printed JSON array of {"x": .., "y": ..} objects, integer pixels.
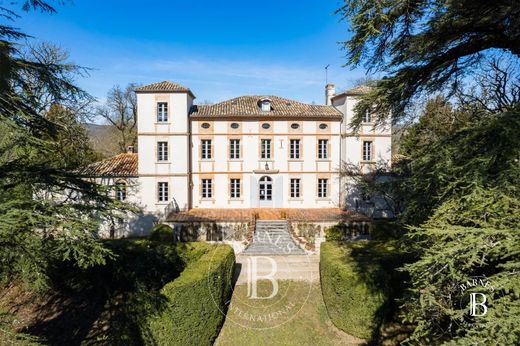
[{"x": 219, "y": 49}]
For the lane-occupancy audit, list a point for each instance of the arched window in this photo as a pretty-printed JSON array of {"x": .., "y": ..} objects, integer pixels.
[
  {"x": 121, "y": 190},
  {"x": 265, "y": 189}
]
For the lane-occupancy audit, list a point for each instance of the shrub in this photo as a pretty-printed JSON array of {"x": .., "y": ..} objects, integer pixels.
[
  {"x": 196, "y": 300},
  {"x": 162, "y": 233},
  {"x": 356, "y": 279},
  {"x": 386, "y": 230},
  {"x": 348, "y": 231}
]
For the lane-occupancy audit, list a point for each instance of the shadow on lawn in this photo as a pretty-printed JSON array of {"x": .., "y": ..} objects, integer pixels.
[{"x": 108, "y": 304}]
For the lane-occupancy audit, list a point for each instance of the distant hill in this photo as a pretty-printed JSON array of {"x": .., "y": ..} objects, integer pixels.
[{"x": 103, "y": 139}]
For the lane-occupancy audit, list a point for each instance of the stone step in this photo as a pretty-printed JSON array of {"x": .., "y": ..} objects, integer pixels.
[{"x": 273, "y": 238}]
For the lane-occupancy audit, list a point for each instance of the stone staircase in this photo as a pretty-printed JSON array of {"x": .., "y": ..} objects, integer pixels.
[{"x": 272, "y": 238}]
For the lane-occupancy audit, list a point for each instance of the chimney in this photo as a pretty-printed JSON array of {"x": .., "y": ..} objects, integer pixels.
[
  {"x": 330, "y": 91},
  {"x": 130, "y": 149}
]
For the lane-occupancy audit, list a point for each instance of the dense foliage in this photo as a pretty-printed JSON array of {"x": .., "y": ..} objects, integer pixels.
[
  {"x": 425, "y": 46},
  {"x": 47, "y": 212},
  {"x": 463, "y": 193},
  {"x": 458, "y": 178},
  {"x": 196, "y": 302}
]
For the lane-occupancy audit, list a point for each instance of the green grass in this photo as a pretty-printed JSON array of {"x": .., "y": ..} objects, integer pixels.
[{"x": 308, "y": 326}]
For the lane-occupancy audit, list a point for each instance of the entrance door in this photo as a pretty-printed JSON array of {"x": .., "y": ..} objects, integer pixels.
[{"x": 265, "y": 191}]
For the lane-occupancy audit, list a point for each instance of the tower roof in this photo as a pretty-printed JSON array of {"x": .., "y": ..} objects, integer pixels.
[{"x": 164, "y": 87}]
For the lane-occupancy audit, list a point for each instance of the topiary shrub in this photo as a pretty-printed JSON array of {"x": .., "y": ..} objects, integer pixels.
[
  {"x": 356, "y": 280},
  {"x": 162, "y": 233},
  {"x": 196, "y": 300}
]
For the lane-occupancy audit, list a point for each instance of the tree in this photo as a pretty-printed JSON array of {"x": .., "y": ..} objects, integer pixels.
[
  {"x": 424, "y": 46},
  {"x": 120, "y": 111},
  {"x": 463, "y": 197},
  {"x": 48, "y": 212}
]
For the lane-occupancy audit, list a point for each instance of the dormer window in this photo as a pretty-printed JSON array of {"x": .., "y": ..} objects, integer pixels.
[{"x": 265, "y": 104}]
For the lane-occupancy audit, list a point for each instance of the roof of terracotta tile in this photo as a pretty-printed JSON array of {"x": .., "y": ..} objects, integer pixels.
[
  {"x": 249, "y": 106},
  {"x": 240, "y": 215},
  {"x": 122, "y": 165},
  {"x": 355, "y": 91},
  {"x": 164, "y": 86}
]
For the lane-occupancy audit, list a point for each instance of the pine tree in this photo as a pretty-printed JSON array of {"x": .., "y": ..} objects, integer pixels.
[{"x": 48, "y": 213}]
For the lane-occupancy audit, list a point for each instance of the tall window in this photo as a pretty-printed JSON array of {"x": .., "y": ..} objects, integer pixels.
[
  {"x": 162, "y": 112},
  {"x": 367, "y": 117},
  {"x": 266, "y": 149},
  {"x": 294, "y": 149},
  {"x": 206, "y": 149},
  {"x": 162, "y": 151},
  {"x": 323, "y": 149},
  {"x": 207, "y": 188},
  {"x": 162, "y": 192},
  {"x": 121, "y": 191},
  {"x": 234, "y": 149},
  {"x": 322, "y": 188},
  {"x": 235, "y": 188},
  {"x": 295, "y": 188},
  {"x": 367, "y": 151}
]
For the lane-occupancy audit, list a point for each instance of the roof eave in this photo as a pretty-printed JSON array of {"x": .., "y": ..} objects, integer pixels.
[{"x": 166, "y": 92}]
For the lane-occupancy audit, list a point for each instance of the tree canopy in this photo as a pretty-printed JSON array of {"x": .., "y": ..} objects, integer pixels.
[
  {"x": 48, "y": 211},
  {"x": 425, "y": 46}
]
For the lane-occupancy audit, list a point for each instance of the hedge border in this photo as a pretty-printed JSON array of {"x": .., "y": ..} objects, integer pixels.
[{"x": 196, "y": 300}]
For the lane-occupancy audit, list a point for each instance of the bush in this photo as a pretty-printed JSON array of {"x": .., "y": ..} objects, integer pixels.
[
  {"x": 162, "y": 233},
  {"x": 356, "y": 280},
  {"x": 348, "y": 231},
  {"x": 196, "y": 300},
  {"x": 387, "y": 230}
]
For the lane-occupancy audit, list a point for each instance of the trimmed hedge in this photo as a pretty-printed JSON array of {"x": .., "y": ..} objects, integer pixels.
[
  {"x": 356, "y": 280},
  {"x": 162, "y": 233},
  {"x": 196, "y": 300}
]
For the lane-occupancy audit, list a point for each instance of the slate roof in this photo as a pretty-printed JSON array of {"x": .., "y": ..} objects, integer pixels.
[
  {"x": 164, "y": 86},
  {"x": 122, "y": 165},
  {"x": 249, "y": 106},
  {"x": 356, "y": 91}
]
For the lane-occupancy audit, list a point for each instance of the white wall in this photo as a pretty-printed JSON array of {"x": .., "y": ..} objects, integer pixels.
[
  {"x": 250, "y": 167},
  {"x": 352, "y": 150},
  {"x": 175, "y": 132}
]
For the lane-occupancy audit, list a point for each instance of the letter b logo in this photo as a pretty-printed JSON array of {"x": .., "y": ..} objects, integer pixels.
[{"x": 474, "y": 303}]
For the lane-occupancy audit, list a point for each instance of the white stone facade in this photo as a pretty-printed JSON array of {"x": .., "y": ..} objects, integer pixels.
[{"x": 248, "y": 160}]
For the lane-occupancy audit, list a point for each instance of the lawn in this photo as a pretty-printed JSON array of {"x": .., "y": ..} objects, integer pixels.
[{"x": 308, "y": 326}]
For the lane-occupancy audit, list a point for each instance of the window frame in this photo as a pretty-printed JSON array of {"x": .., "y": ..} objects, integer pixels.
[
  {"x": 205, "y": 149},
  {"x": 162, "y": 112},
  {"x": 163, "y": 191},
  {"x": 234, "y": 188},
  {"x": 323, "y": 149},
  {"x": 162, "y": 151},
  {"x": 294, "y": 149},
  {"x": 234, "y": 149},
  {"x": 206, "y": 189},
  {"x": 295, "y": 187},
  {"x": 265, "y": 149},
  {"x": 323, "y": 187},
  {"x": 368, "y": 154},
  {"x": 367, "y": 117},
  {"x": 121, "y": 188}
]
